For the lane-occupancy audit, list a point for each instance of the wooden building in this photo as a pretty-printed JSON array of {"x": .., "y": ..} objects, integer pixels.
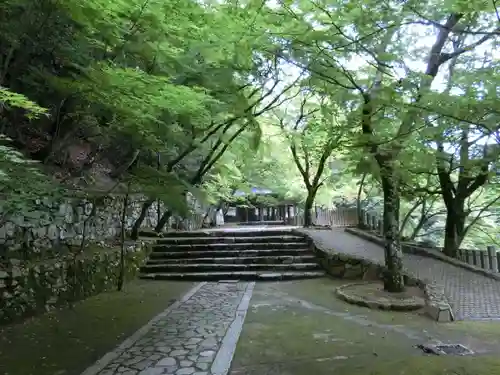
[{"x": 261, "y": 206}]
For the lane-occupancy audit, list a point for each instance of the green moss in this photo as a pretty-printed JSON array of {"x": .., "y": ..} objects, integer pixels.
[
  {"x": 65, "y": 342},
  {"x": 33, "y": 287},
  {"x": 301, "y": 328}
]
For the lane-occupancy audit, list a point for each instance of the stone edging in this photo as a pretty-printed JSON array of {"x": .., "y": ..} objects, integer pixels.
[
  {"x": 422, "y": 251},
  {"x": 374, "y": 304},
  {"x": 437, "y": 306},
  {"x": 436, "y": 303}
]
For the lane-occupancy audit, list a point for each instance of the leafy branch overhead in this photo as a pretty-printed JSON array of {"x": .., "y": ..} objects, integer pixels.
[{"x": 390, "y": 105}]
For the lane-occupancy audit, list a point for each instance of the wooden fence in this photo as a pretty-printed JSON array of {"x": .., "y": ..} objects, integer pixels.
[
  {"x": 488, "y": 259},
  {"x": 326, "y": 217},
  {"x": 339, "y": 217}
]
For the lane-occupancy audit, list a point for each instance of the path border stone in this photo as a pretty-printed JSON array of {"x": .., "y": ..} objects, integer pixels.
[
  {"x": 101, "y": 363},
  {"x": 224, "y": 357},
  {"x": 404, "y": 305}
]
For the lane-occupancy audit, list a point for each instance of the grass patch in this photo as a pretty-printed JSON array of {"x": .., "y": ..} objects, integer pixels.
[{"x": 65, "y": 342}]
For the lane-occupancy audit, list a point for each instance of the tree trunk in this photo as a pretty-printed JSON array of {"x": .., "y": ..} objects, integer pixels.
[
  {"x": 308, "y": 209},
  {"x": 163, "y": 220},
  {"x": 393, "y": 277},
  {"x": 359, "y": 210},
  {"x": 453, "y": 232},
  {"x": 121, "y": 275},
  {"x": 134, "y": 234}
]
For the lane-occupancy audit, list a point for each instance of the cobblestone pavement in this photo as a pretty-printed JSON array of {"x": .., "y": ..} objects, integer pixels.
[
  {"x": 195, "y": 336},
  {"x": 472, "y": 296}
]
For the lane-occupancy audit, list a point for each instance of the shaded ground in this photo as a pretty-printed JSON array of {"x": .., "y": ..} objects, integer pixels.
[
  {"x": 65, "y": 342},
  {"x": 472, "y": 296},
  {"x": 299, "y": 328}
]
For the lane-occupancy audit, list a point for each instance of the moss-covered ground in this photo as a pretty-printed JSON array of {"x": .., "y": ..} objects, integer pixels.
[
  {"x": 65, "y": 342},
  {"x": 301, "y": 328},
  {"x": 292, "y": 328}
]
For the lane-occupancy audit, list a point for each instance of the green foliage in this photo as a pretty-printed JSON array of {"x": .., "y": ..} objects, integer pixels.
[{"x": 214, "y": 96}]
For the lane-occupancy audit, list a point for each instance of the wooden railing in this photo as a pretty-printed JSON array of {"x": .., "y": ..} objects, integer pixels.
[
  {"x": 338, "y": 217},
  {"x": 488, "y": 259}
]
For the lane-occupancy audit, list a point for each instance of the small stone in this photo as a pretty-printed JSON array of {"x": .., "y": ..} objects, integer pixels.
[
  {"x": 178, "y": 352},
  {"x": 185, "y": 371},
  {"x": 209, "y": 343},
  {"x": 203, "y": 366},
  {"x": 143, "y": 364},
  {"x": 168, "y": 361},
  {"x": 186, "y": 363},
  {"x": 134, "y": 360},
  {"x": 204, "y": 359},
  {"x": 201, "y": 373},
  {"x": 152, "y": 371},
  {"x": 207, "y": 353}
]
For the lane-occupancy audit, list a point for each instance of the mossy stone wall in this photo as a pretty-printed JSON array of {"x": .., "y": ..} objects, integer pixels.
[{"x": 31, "y": 287}]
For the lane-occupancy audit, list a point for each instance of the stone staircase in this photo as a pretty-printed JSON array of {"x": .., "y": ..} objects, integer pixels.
[{"x": 231, "y": 255}]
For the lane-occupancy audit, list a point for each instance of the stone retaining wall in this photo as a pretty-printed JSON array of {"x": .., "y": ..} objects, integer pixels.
[
  {"x": 28, "y": 288},
  {"x": 49, "y": 225}
]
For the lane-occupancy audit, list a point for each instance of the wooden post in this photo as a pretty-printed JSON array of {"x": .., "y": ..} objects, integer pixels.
[
  {"x": 467, "y": 255},
  {"x": 380, "y": 226},
  {"x": 492, "y": 258},
  {"x": 482, "y": 259}
]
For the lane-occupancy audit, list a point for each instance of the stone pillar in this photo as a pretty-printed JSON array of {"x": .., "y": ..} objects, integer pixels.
[
  {"x": 362, "y": 218},
  {"x": 373, "y": 224},
  {"x": 380, "y": 227},
  {"x": 492, "y": 258}
]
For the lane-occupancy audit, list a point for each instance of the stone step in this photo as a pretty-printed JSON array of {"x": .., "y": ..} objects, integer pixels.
[
  {"x": 227, "y": 239},
  {"x": 263, "y": 222},
  {"x": 276, "y": 259},
  {"x": 242, "y": 275},
  {"x": 216, "y": 267},
  {"x": 230, "y": 246},
  {"x": 227, "y": 253},
  {"x": 222, "y": 233}
]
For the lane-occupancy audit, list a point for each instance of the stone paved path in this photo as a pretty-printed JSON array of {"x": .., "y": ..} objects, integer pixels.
[
  {"x": 195, "y": 336},
  {"x": 472, "y": 296}
]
